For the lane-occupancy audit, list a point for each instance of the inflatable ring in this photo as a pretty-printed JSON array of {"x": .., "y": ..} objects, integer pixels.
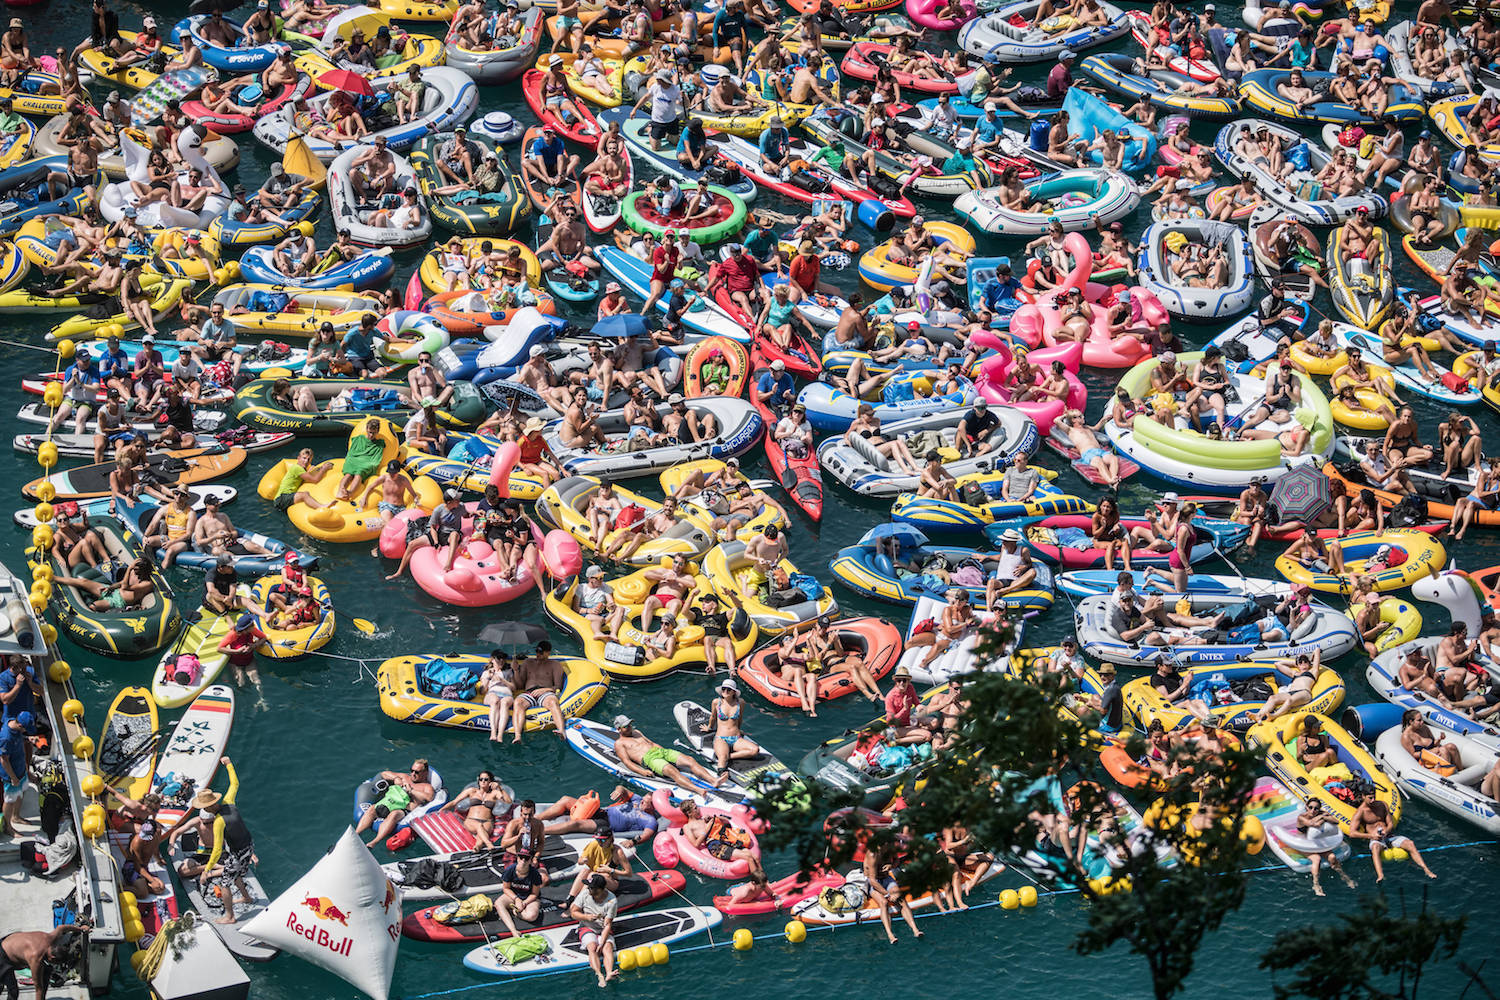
[{"x": 641, "y": 215}]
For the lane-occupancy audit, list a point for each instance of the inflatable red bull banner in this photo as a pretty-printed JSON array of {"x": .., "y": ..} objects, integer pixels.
[{"x": 343, "y": 915}]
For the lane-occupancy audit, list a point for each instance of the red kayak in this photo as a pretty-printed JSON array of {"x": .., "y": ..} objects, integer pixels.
[
  {"x": 639, "y": 889},
  {"x": 800, "y": 477},
  {"x": 799, "y": 360},
  {"x": 582, "y": 128},
  {"x": 812, "y": 183}
]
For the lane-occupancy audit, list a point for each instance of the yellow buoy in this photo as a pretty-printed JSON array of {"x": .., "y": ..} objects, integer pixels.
[
  {"x": 93, "y": 827},
  {"x": 94, "y": 809},
  {"x": 1028, "y": 895},
  {"x": 743, "y": 939},
  {"x": 1010, "y": 899},
  {"x": 92, "y": 785},
  {"x": 66, "y": 349},
  {"x": 49, "y": 633},
  {"x": 52, "y": 395},
  {"x": 41, "y": 535},
  {"x": 128, "y": 902},
  {"x": 643, "y": 957},
  {"x": 38, "y": 603},
  {"x": 660, "y": 953},
  {"x": 137, "y": 959},
  {"x": 46, "y": 491},
  {"x": 134, "y": 931},
  {"x": 43, "y": 589},
  {"x": 41, "y": 571},
  {"x": 60, "y": 670},
  {"x": 796, "y": 931},
  {"x": 1395, "y": 854},
  {"x": 626, "y": 958},
  {"x": 46, "y": 454},
  {"x": 83, "y": 747},
  {"x": 72, "y": 709}
]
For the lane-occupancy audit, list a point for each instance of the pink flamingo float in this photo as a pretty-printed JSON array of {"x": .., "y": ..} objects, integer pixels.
[
  {"x": 1039, "y": 321},
  {"x": 995, "y": 378}
]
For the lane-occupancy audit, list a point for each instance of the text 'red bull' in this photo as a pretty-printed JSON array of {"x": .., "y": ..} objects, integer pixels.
[{"x": 340, "y": 945}]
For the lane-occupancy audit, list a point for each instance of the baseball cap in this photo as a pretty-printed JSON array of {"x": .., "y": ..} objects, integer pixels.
[
  {"x": 621, "y": 721},
  {"x": 28, "y": 721},
  {"x": 981, "y": 403},
  {"x": 1066, "y": 54},
  {"x": 114, "y": 97},
  {"x": 537, "y": 350},
  {"x": 675, "y": 397},
  {"x": 778, "y": 365},
  {"x": 594, "y": 571},
  {"x": 451, "y": 494},
  {"x": 914, "y": 325}
]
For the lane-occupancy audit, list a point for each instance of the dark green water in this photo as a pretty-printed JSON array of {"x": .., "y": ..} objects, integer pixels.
[{"x": 321, "y": 732}]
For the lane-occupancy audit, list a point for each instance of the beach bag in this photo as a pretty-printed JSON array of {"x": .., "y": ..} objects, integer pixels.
[
  {"x": 629, "y": 515},
  {"x": 514, "y": 950},
  {"x": 808, "y": 585},
  {"x": 429, "y": 873},
  {"x": 1434, "y": 763},
  {"x": 1410, "y": 511},
  {"x": 967, "y": 576},
  {"x": 1454, "y": 382},
  {"x": 183, "y": 668},
  {"x": 974, "y": 495},
  {"x": 1245, "y": 633},
  {"x": 269, "y": 302},
  {"x": 630, "y": 656},
  {"x": 476, "y": 907},
  {"x": 895, "y": 758}
]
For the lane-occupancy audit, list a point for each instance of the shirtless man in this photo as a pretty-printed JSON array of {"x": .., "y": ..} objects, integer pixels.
[
  {"x": 36, "y": 951},
  {"x": 539, "y": 679},
  {"x": 413, "y": 788},
  {"x": 524, "y": 833},
  {"x": 643, "y": 757},
  {"x": 216, "y": 534},
  {"x": 672, "y": 588},
  {"x": 568, "y": 241},
  {"x": 372, "y": 174},
  {"x": 1373, "y": 822},
  {"x": 537, "y": 375}
]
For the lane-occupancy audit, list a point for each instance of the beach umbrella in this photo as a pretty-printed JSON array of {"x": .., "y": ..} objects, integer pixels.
[
  {"x": 346, "y": 80},
  {"x": 621, "y": 325},
  {"x": 905, "y": 534},
  {"x": 1301, "y": 494},
  {"x": 512, "y": 635}
]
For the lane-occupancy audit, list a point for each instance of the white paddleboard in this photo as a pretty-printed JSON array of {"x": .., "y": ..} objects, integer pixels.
[
  {"x": 191, "y": 755},
  {"x": 631, "y": 930}
]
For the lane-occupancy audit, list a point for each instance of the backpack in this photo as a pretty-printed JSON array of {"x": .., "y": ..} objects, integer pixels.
[
  {"x": 514, "y": 950},
  {"x": 808, "y": 585},
  {"x": 182, "y": 668},
  {"x": 974, "y": 495},
  {"x": 629, "y": 515},
  {"x": 427, "y": 873},
  {"x": 476, "y": 907},
  {"x": 1409, "y": 511}
]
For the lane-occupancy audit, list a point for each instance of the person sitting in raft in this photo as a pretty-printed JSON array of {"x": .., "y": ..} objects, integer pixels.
[
  {"x": 1294, "y": 440},
  {"x": 643, "y": 757},
  {"x": 1428, "y": 747},
  {"x": 1154, "y": 625},
  {"x": 1302, "y": 674},
  {"x": 1174, "y": 686},
  {"x": 128, "y": 593},
  {"x": 1313, "y": 553},
  {"x": 730, "y": 741},
  {"x": 170, "y": 530},
  {"x": 1312, "y": 746},
  {"x": 362, "y": 460},
  {"x": 936, "y": 481},
  {"x": 957, "y": 622},
  {"x": 1467, "y": 298},
  {"x": 1373, "y": 822},
  {"x": 403, "y": 791}
]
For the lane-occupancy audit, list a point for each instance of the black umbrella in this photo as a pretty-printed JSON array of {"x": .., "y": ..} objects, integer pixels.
[{"x": 512, "y": 635}]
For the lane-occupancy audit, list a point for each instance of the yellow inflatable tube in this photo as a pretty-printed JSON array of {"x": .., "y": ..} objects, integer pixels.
[
  {"x": 730, "y": 572},
  {"x": 341, "y": 520},
  {"x": 432, "y": 266},
  {"x": 689, "y": 652},
  {"x": 1405, "y": 623},
  {"x": 1279, "y": 738},
  {"x": 1421, "y": 552},
  {"x": 403, "y": 699},
  {"x": 878, "y": 271},
  {"x": 1198, "y": 449},
  {"x": 291, "y": 643},
  {"x": 1147, "y": 703},
  {"x": 1362, "y": 419},
  {"x": 1162, "y": 815}
]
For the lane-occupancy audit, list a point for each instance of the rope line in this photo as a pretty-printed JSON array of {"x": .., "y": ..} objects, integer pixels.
[{"x": 919, "y": 915}]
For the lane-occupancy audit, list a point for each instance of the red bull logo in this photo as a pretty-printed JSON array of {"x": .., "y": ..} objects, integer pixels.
[
  {"x": 324, "y": 909},
  {"x": 390, "y": 895},
  {"x": 340, "y": 945}
]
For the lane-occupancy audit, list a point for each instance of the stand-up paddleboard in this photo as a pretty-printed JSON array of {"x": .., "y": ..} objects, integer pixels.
[
  {"x": 99, "y": 507},
  {"x": 482, "y": 870},
  {"x": 70, "y": 445},
  {"x": 206, "y": 901},
  {"x": 205, "y": 421},
  {"x": 127, "y": 747},
  {"x": 815, "y": 911},
  {"x": 566, "y": 950},
  {"x": 190, "y": 757},
  {"x": 173, "y": 688},
  {"x": 178, "y": 85},
  {"x": 596, "y": 744},
  {"x": 634, "y": 891},
  {"x": 752, "y": 772},
  {"x": 1277, "y": 810}
]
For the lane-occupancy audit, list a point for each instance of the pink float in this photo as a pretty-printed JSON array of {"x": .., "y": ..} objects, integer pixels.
[
  {"x": 475, "y": 581},
  {"x": 561, "y": 555},
  {"x": 1039, "y": 321},
  {"x": 994, "y": 377},
  {"x": 505, "y": 459},
  {"x": 671, "y": 846},
  {"x": 924, "y": 12}
]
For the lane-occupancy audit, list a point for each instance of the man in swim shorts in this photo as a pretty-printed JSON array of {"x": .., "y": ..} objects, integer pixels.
[{"x": 643, "y": 757}]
